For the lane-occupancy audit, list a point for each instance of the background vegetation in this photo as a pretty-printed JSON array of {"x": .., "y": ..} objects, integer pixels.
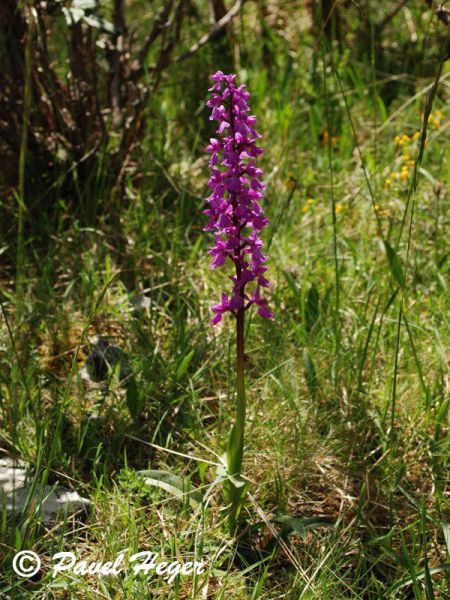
[{"x": 103, "y": 127}]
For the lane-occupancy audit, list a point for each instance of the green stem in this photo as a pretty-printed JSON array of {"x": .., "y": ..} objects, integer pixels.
[
  {"x": 235, "y": 487},
  {"x": 240, "y": 388}
]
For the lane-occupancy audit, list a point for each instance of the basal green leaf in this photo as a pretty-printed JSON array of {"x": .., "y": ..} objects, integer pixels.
[
  {"x": 310, "y": 373},
  {"x": 177, "y": 486},
  {"x": 184, "y": 364},
  {"x": 133, "y": 398}
]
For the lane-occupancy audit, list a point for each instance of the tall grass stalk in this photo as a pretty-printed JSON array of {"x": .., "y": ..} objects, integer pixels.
[
  {"x": 22, "y": 163},
  {"x": 336, "y": 312},
  {"x": 411, "y": 194}
]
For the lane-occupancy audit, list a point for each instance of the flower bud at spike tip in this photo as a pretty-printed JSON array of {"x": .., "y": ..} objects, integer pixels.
[{"x": 234, "y": 211}]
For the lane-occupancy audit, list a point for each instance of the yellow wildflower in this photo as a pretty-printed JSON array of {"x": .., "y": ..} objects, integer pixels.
[
  {"x": 387, "y": 182},
  {"x": 339, "y": 208},
  {"x": 310, "y": 201}
]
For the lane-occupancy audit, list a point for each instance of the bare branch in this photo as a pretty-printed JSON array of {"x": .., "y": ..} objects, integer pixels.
[
  {"x": 165, "y": 54},
  {"x": 388, "y": 18},
  {"x": 158, "y": 27},
  {"x": 215, "y": 29},
  {"x": 218, "y": 10}
]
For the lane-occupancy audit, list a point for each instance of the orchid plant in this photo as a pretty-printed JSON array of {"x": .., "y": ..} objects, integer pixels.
[{"x": 236, "y": 218}]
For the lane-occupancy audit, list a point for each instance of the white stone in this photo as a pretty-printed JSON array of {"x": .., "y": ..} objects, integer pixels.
[{"x": 16, "y": 485}]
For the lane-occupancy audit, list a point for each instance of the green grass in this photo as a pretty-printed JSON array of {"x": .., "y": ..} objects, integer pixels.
[{"x": 348, "y": 386}]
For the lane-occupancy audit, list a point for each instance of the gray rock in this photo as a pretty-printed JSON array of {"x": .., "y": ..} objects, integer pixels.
[
  {"x": 140, "y": 304},
  {"x": 103, "y": 359},
  {"x": 16, "y": 487}
]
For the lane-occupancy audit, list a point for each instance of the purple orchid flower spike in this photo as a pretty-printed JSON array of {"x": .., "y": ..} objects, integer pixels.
[
  {"x": 236, "y": 218},
  {"x": 234, "y": 211}
]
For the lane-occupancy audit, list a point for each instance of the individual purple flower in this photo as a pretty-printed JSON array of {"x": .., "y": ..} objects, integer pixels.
[{"x": 234, "y": 211}]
